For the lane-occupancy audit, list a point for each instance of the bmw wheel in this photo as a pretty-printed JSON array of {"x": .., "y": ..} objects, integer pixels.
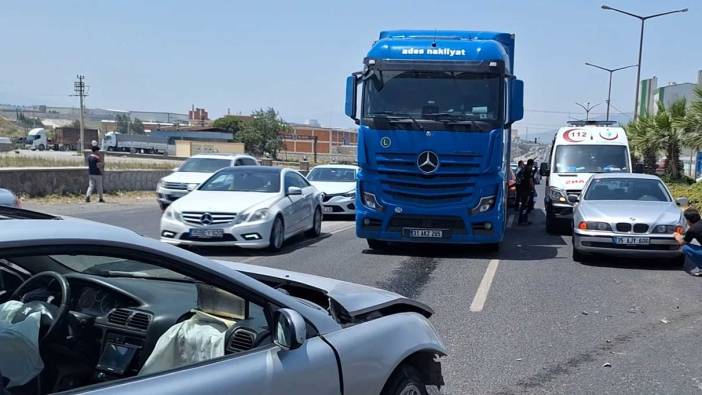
[
  {"x": 277, "y": 235},
  {"x": 405, "y": 381},
  {"x": 316, "y": 228}
]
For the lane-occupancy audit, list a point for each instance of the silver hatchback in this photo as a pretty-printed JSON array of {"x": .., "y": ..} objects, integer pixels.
[{"x": 631, "y": 215}]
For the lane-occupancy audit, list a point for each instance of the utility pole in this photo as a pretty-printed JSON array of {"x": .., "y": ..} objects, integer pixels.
[
  {"x": 609, "y": 90},
  {"x": 587, "y": 107},
  {"x": 79, "y": 89}
]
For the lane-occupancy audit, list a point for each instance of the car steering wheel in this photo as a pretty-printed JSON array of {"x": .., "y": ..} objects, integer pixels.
[{"x": 51, "y": 315}]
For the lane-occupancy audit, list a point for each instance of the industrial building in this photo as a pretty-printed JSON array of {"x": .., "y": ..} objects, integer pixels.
[{"x": 650, "y": 94}]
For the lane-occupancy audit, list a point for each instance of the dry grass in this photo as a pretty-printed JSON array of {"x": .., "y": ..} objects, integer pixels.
[
  {"x": 111, "y": 197},
  {"x": 11, "y": 159}
]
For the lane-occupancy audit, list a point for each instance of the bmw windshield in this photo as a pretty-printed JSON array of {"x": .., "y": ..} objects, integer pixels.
[{"x": 432, "y": 100}]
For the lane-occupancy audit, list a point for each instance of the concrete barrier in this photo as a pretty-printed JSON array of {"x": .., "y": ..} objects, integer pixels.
[{"x": 74, "y": 180}]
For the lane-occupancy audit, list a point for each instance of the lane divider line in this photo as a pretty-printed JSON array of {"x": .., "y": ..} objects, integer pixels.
[
  {"x": 342, "y": 229},
  {"x": 510, "y": 221},
  {"x": 484, "y": 287}
]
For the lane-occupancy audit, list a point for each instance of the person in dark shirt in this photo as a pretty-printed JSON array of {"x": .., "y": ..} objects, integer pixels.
[
  {"x": 95, "y": 167},
  {"x": 525, "y": 186},
  {"x": 694, "y": 232}
]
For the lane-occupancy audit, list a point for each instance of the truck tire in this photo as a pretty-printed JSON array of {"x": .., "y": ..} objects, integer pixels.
[
  {"x": 374, "y": 244},
  {"x": 41, "y": 147}
]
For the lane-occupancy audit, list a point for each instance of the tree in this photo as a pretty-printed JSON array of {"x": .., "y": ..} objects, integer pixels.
[
  {"x": 230, "y": 123},
  {"x": 261, "y": 133},
  {"x": 122, "y": 121},
  {"x": 692, "y": 123},
  {"x": 136, "y": 127}
]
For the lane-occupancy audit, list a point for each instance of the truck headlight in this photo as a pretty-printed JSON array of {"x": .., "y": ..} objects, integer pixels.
[
  {"x": 557, "y": 195},
  {"x": 485, "y": 204},
  {"x": 370, "y": 201}
]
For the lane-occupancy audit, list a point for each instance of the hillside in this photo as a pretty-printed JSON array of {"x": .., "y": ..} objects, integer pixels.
[{"x": 9, "y": 129}]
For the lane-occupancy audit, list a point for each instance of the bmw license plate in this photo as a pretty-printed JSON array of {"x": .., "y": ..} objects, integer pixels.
[
  {"x": 627, "y": 240},
  {"x": 207, "y": 233},
  {"x": 327, "y": 209},
  {"x": 424, "y": 233}
]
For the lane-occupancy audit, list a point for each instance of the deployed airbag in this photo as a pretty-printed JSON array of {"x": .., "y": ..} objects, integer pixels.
[
  {"x": 199, "y": 338},
  {"x": 20, "y": 361}
]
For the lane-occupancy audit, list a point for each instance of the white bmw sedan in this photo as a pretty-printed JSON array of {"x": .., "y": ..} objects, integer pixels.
[
  {"x": 338, "y": 185},
  {"x": 247, "y": 206}
]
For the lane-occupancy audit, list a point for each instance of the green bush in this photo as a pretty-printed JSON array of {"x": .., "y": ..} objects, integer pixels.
[{"x": 691, "y": 191}]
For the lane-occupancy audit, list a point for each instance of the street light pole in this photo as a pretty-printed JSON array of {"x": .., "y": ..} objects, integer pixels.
[
  {"x": 638, "y": 70},
  {"x": 610, "y": 71},
  {"x": 587, "y": 107}
]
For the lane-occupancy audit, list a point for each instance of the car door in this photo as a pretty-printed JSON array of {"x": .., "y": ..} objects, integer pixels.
[
  {"x": 308, "y": 194},
  {"x": 293, "y": 213}
]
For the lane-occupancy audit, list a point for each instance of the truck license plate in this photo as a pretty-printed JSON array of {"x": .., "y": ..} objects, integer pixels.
[
  {"x": 631, "y": 240},
  {"x": 425, "y": 233},
  {"x": 207, "y": 233}
]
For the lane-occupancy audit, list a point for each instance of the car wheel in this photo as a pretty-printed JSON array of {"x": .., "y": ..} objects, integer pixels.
[
  {"x": 374, "y": 244},
  {"x": 277, "y": 235},
  {"x": 316, "y": 228},
  {"x": 163, "y": 206},
  {"x": 551, "y": 225},
  {"x": 405, "y": 381},
  {"x": 578, "y": 256}
]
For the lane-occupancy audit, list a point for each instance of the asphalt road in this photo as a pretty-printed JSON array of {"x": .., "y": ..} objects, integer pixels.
[{"x": 524, "y": 320}]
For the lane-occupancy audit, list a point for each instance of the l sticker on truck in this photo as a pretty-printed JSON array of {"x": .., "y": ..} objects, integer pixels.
[{"x": 385, "y": 142}]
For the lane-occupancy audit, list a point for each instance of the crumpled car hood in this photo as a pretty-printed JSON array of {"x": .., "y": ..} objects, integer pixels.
[{"x": 356, "y": 299}]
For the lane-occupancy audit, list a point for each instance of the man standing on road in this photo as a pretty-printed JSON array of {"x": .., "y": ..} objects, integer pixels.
[
  {"x": 525, "y": 186},
  {"x": 694, "y": 232},
  {"x": 95, "y": 168}
]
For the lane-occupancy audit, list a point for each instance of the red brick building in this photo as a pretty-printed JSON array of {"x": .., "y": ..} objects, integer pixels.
[{"x": 330, "y": 141}]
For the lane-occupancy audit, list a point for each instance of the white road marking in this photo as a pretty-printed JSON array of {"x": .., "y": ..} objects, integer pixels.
[
  {"x": 510, "y": 220},
  {"x": 484, "y": 287},
  {"x": 343, "y": 229},
  {"x": 249, "y": 259}
]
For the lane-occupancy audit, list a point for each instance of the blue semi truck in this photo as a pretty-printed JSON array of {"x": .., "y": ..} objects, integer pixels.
[{"x": 435, "y": 116}]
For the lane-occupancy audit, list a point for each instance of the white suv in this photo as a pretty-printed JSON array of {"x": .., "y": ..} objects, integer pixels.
[{"x": 195, "y": 171}]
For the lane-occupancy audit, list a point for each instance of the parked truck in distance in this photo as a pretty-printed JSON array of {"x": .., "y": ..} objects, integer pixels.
[
  {"x": 61, "y": 139},
  {"x": 159, "y": 141}
]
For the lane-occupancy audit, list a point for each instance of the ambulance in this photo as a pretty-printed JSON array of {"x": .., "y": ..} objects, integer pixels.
[{"x": 578, "y": 151}]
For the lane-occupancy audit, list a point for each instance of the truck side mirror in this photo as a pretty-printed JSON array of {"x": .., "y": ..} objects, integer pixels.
[
  {"x": 351, "y": 84},
  {"x": 516, "y": 105}
]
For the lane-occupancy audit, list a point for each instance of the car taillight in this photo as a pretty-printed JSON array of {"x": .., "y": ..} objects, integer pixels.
[{"x": 582, "y": 225}]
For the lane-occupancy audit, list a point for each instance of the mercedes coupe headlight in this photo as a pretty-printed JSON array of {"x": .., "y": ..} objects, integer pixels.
[
  {"x": 557, "y": 195},
  {"x": 259, "y": 215},
  {"x": 171, "y": 213}
]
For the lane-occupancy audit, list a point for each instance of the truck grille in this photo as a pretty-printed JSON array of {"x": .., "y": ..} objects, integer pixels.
[
  {"x": 197, "y": 217},
  {"x": 452, "y": 182},
  {"x": 179, "y": 186}
]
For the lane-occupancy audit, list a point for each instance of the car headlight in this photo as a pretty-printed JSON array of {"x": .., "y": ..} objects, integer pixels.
[
  {"x": 170, "y": 213},
  {"x": 669, "y": 229},
  {"x": 594, "y": 225},
  {"x": 557, "y": 195},
  {"x": 350, "y": 194},
  {"x": 259, "y": 215},
  {"x": 370, "y": 201},
  {"x": 485, "y": 204},
  {"x": 192, "y": 187}
]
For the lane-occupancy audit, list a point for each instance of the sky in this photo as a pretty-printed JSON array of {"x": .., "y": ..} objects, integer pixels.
[{"x": 294, "y": 56}]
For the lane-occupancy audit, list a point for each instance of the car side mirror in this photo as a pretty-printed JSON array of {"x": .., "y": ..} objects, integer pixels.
[
  {"x": 682, "y": 201},
  {"x": 572, "y": 199},
  {"x": 294, "y": 191},
  {"x": 290, "y": 329}
]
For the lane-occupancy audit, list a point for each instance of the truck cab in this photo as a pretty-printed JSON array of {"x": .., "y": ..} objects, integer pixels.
[
  {"x": 436, "y": 108},
  {"x": 37, "y": 139},
  {"x": 577, "y": 152}
]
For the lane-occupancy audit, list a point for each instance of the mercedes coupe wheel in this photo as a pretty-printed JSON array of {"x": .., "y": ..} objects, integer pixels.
[
  {"x": 316, "y": 228},
  {"x": 277, "y": 235}
]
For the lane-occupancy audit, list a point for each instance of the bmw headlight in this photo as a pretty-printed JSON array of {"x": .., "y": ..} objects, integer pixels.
[
  {"x": 668, "y": 229},
  {"x": 594, "y": 225},
  {"x": 557, "y": 195}
]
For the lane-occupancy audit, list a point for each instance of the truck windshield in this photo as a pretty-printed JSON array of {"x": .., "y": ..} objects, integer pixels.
[
  {"x": 204, "y": 165},
  {"x": 591, "y": 159},
  {"x": 432, "y": 100}
]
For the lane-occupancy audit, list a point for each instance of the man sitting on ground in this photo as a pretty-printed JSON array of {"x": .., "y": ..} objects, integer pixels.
[{"x": 694, "y": 232}]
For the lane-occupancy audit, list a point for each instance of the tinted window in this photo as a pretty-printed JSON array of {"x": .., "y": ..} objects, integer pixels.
[
  {"x": 295, "y": 180},
  {"x": 591, "y": 159},
  {"x": 237, "y": 180},
  {"x": 204, "y": 165},
  {"x": 248, "y": 162},
  {"x": 627, "y": 189},
  {"x": 332, "y": 174},
  {"x": 111, "y": 266}
]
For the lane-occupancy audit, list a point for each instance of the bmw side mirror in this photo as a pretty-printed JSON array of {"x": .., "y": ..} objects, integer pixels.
[
  {"x": 683, "y": 201},
  {"x": 294, "y": 191},
  {"x": 572, "y": 199},
  {"x": 290, "y": 329}
]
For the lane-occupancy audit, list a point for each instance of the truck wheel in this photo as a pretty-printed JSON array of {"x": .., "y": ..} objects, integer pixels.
[
  {"x": 374, "y": 244},
  {"x": 132, "y": 150},
  {"x": 405, "y": 381},
  {"x": 41, "y": 147},
  {"x": 492, "y": 247}
]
